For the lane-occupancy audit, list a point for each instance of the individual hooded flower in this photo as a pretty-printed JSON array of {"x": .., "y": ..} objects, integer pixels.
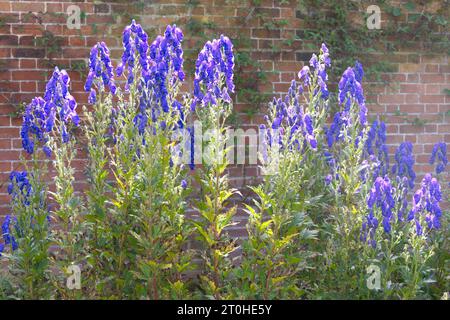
[
  {"x": 304, "y": 75},
  {"x": 325, "y": 56},
  {"x": 135, "y": 44},
  {"x": 439, "y": 153},
  {"x": 376, "y": 146},
  {"x": 426, "y": 205},
  {"x": 184, "y": 184},
  {"x": 100, "y": 67},
  {"x": 214, "y": 73},
  {"x": 404, "y": 163},
  {"x": 314, "y": 61},
  {"x": 359, "y": 71},
  {"x": 381, "y": 196}
]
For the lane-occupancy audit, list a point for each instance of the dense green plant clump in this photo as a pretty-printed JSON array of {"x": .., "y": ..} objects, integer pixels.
[{"x": 330, "y": 219}]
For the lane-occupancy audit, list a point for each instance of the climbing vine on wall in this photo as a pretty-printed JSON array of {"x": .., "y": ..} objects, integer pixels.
[{"x": 342, "y": 25}]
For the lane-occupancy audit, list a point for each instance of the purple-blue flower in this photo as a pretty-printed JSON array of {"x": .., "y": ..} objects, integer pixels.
[
  {"x": 58, "y": 98},
  {"x": 404, "y": 163},
  {"x": 303, "y": 74},
  {"x": 19, "y": 186},
  {"x": 318, "y": 64},
  {"x": 135, "y": 44},
  {"x": 368, "y": 229},
  {"x": 350, "y": 89},
  {"x": 376, "y": 146},
  {"x": 426, "y": 204},
  {"x": 214, "y": 72},
  {"x": 166, "y": 60},
  {"x": 381, "y": 197},
  {"x": 439, "y": 152},
  {"x": 164, "y": 68},
  {"x": 37, "y": 121},
  {"x": 8, "y": 238},
  {"x": 58, "y": 104},
  {"x": 289, "y": 115},
  {"x": 335, "y": 132},
  {"x": 100, "y": 67}
]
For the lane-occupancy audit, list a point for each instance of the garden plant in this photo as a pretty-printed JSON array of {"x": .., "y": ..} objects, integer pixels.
[{"x": 331, "y": 213}]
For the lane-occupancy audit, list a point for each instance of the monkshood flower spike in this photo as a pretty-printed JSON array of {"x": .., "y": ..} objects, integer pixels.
[
  {"x": 8, "y": 238},
  {"x": 213, "y": 68},
  {"x": 160, "y": 84},
  {"x": 381, "y": 196},
  {"x": 376, "y": 146},
  {"x": 58, "y": 98},
  {"x": 426, "y": 205},
  {"x": 166, "y": 59},
  {"x": 289, "y": 114},
  {"x": 335, "y": 132},
  {"x": 19, "y": 182},
  {"x": 318, "y": 65},
  {"x": 100, "y": 67},
  {"x": 350, "y": 89},
  {"x": 41, "y": 115},
  {"x": 439, "y": 156},
  {"x": 38, "y": 120},
  {"x": 404, "y": 163},
  {"x": 134, "y": 40}
]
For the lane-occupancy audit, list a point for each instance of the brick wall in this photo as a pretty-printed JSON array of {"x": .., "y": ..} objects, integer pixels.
[{"x": 417, "y": 90}]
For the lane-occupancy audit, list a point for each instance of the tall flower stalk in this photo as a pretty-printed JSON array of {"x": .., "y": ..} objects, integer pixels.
[
  {"x": 213, "y": 84},
  {"x": 99, "y": 130},
  {"x": 68, "y": 206},
  {"x": 26, "y": 230},
  {"x": 280, "y": 229}
]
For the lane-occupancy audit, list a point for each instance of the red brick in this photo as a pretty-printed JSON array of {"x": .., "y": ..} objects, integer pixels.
[
  {"x": 391, "y": 99},
  {"x": 411, "y": 88},
  {"x": 5, "y": 6},
  {"x": 28, "y": 75},
  {"x": 264, "y": 33},
  {"x": 5, "y": 53},
  {"x": 432, "y": 99},
  {"x": 412, "y": 108},
  {"x": 28, "y": 86},
  {"x": 432, "y": 78},
  {"x": 27, "y": 63},
  {"x": 28, "y": 6},
  {"x": 5, "y": 143},
  {"x": 29, "y": 53},
  {"x": 432, "y": 68},
  {"x": 9, "y": 154}
]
